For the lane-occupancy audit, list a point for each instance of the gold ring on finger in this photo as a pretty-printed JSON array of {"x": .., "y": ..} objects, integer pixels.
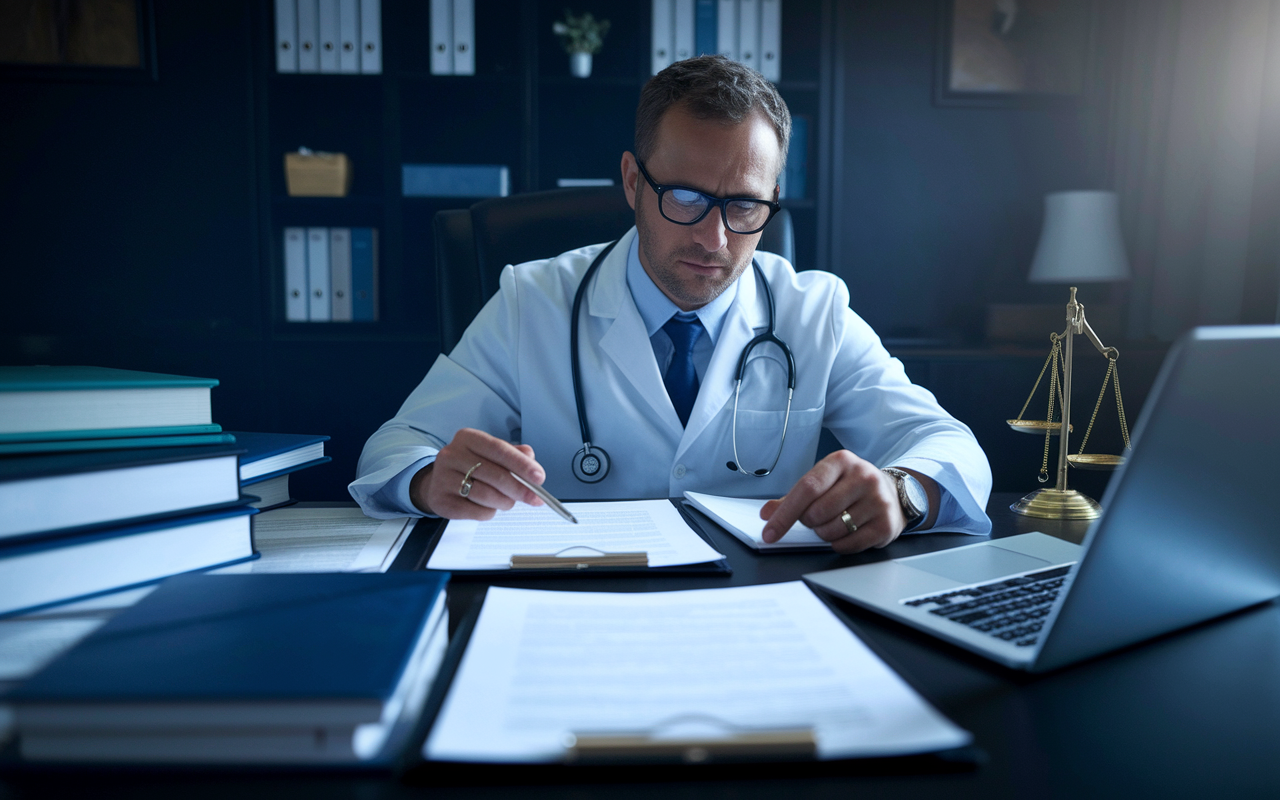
[
  {"x": 848, "y": 522},
  {"x": 465, "y": 489}
]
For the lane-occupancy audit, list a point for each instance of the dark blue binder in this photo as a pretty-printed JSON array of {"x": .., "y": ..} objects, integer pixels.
[
  {"x": 260, "y": 446},
  {"x": 301, "y": 637},
  {"x": 244, "y": 658}
]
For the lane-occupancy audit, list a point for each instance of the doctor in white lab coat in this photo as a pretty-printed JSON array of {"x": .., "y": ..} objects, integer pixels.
[{"x": 504, "y": 400}]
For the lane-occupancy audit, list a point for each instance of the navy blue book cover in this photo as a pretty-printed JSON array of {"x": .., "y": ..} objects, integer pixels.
[
  {"x": 258, "y": 446},
  {"x": 265, "y": 637}
]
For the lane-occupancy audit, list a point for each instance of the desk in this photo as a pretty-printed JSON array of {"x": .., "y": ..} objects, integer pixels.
[{"x": 1194, "y": 714}]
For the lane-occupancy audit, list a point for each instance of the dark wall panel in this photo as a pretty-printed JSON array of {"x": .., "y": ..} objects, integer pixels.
[{"x": 939, "y": 207}]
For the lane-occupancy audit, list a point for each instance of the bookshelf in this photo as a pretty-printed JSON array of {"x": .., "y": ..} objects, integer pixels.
[{"x": 521, "y": 108}]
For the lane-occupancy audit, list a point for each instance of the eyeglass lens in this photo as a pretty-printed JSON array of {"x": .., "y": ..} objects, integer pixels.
[{"x": 686, "y": 205}]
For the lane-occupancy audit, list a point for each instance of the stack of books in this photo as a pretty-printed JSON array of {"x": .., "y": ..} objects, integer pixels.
[
  {"x": 270, "y": 458},
  {"x": 113, "y": 478},
  {"x": 323, "y": 668}
]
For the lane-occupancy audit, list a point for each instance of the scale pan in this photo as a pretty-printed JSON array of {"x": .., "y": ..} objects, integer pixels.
[
  {"x": 1095, "y": 461},
  {"x": 1038, "y": 426}
]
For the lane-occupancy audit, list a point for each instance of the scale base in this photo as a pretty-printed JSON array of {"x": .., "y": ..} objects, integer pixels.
[{"x": 1057, "y": 504}]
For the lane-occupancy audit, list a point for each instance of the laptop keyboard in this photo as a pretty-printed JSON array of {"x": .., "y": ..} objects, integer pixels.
[{"x": 1012, "y": 609}]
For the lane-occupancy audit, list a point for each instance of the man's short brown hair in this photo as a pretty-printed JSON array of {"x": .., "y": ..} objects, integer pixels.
[{"x": 710, "y": 88}]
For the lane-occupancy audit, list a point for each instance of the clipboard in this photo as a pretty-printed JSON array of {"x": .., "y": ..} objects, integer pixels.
[
  {"x": 759, "y": 754},
  {"x": 540, "y": 564}
]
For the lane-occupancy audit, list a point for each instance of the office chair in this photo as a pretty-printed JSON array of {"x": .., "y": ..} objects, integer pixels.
[{"x": 474, "y": 244}]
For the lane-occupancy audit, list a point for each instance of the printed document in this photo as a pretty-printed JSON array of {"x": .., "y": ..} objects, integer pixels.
[
  {"x": 741, "y": 517},
  {"x": 629, "y": 526},
  {"x": 541, "y": 665},
  {"x": 306, "y": 539}
]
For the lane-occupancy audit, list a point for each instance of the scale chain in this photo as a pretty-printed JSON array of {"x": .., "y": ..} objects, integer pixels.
[{"x": 1054, "y": 353}]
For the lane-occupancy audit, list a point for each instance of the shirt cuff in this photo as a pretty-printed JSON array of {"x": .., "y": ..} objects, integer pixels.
[{"x": 395, "y": 492}]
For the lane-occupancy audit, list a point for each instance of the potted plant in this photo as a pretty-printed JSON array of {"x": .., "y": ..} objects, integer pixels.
[{"x": 582, "y": 36}]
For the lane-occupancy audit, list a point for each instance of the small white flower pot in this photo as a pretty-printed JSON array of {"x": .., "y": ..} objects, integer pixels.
[{"x": 580, "y": 65}]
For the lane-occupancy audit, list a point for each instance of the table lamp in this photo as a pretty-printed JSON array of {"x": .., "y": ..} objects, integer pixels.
[{"x": 1080, "y": 241}]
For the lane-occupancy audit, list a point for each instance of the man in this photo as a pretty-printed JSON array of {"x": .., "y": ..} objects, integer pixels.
[{"x": 665, "y": 317}]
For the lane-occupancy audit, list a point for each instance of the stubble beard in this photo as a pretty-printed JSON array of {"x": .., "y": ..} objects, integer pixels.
[{"x": 677, "y": 282}]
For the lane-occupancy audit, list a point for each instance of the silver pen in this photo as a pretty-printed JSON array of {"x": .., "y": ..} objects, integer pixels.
[{"x": 551, "y": 502}]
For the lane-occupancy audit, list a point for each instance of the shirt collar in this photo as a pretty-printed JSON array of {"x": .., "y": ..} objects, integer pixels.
[{"x": 656, "y": 308}]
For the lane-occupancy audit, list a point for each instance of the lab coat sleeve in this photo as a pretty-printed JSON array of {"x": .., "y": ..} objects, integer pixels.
[
  {"x": 475, "y": 386},
  {"x": 875, "y": 411}
]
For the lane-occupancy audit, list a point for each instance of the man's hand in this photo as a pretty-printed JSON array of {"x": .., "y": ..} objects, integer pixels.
[
  {"x": 838, "y": 483},
  {"x": 435, "y": 489}
]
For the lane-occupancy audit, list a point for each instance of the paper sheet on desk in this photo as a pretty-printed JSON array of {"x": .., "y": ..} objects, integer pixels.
[
  {"x": 341, "y": 539},
  {"x": 650, "y": 526},
  {"x": 740, "y": 516},
  {"x": 542, "y": 664}
]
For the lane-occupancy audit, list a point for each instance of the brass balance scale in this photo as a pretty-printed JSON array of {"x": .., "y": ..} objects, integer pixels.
[{"x": 1061, "y": 502}]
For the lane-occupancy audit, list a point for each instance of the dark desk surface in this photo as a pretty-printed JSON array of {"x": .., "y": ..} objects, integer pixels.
[{"x": 1193, "y": 714}]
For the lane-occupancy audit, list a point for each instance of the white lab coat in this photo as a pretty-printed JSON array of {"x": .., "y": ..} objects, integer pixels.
[{"x": 510, "y": 375}]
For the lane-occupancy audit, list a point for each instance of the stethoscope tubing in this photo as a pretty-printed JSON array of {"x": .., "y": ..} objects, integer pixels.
[{"x": 768, "y": 337}]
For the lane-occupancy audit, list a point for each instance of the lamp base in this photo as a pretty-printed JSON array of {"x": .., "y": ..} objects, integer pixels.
[{"x": 1055, "y": 504}]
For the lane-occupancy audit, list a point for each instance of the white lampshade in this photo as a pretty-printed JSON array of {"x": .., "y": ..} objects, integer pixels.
[{"x": 1080, "y": 241}]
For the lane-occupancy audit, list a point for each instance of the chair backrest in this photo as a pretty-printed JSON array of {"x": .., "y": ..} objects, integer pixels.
[{"x": 474, "y": 244}]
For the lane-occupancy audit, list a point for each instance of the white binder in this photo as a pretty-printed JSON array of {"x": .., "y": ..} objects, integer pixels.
[
  {"x": 749, "y": 33},
  {"x": 684, "y": 22},
  {"x": 770, "y": 65},
  {"x": 295, "y": 275},
  {"x": 464, "y": 37},
  {"x": 308, "y": 35},
  {"x": 727, "y": 29},
  {"x": 663, "y": 34},
  {"x": 348, "y": 36},
  {"x": 286, "y": 36},
  {"x": 329, "y": 35},
  {"x": 371, "y": 35},
  {"x": 318, "y": 308},
  {"x": 441, "y": 37},
  {"x": 340, "y": 273}
]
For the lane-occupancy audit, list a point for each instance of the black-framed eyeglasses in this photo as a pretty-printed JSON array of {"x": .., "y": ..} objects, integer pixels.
[{"x": 685, "y": 206}]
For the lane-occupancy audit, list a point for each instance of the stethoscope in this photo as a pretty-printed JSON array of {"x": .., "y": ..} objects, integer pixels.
[{"x": 591, "y": 463}]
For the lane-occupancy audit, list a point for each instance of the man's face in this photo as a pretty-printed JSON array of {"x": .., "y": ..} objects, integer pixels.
[{"x": 693, "y": 264}]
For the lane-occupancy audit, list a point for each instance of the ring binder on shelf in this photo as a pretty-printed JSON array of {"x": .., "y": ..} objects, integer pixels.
[{"x": 559, "y": 560}]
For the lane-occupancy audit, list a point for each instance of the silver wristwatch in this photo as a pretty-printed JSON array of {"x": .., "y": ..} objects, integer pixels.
[{"x": 915, "y": 503}]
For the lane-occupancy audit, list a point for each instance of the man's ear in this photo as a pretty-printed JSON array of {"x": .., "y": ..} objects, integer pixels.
[{"x": 630, "y": 174}]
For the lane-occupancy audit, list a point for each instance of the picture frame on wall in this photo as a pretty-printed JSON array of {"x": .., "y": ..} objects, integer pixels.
[
  {"x": 77, "y": 40},
  {"x": 1009, "y": 53}
]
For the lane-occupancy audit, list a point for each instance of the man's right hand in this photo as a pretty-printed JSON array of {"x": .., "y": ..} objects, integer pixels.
[{"x": 436, "y": 487}]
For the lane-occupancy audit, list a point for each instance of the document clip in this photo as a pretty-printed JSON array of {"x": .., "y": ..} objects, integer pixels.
[
  {"x": 560, "y": 560},
  {"x": 692, "y": 740}
]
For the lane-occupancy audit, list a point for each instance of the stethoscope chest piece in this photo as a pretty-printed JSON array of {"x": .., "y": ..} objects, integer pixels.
[{"x": 590, "y": 464}]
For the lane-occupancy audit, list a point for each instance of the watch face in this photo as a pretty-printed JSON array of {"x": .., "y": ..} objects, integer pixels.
[{"x": 915, "y": 493}]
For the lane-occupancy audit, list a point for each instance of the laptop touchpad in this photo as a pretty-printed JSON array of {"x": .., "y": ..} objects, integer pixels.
[{"x": 975, "y": 564}]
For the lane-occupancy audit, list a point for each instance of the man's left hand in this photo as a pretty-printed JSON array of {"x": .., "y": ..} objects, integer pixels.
[{"x": 843, "y": 482}]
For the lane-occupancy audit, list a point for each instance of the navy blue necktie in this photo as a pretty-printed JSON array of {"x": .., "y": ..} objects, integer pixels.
[{"x": 682, "y": 379}]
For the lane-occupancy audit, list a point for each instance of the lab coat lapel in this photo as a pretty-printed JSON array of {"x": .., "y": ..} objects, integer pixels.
[
  {"x": 625, "y": 341},
  {"x": 747, "y": 313}
]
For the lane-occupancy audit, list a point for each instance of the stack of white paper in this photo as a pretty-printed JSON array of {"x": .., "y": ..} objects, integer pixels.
[
  {"x": 630, "y": 526},
  {"x": 542, "y": 665}
]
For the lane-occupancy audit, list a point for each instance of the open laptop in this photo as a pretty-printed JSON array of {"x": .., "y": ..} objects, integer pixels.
[{"x": 1188, "y": 531}]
